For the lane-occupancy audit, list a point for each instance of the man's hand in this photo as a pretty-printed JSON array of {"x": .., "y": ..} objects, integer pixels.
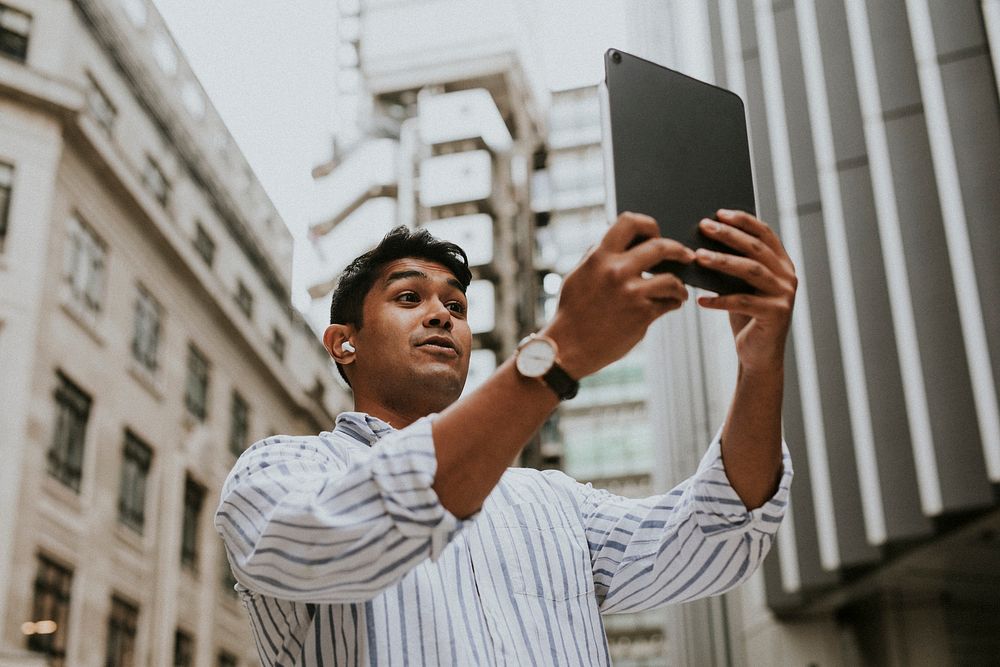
[
  {"x": 760, "y": 321},
  {"x": 607, "y": 302}
]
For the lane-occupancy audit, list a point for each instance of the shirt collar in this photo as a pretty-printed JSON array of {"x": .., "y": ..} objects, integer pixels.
[{"x": 362, "y": 427}]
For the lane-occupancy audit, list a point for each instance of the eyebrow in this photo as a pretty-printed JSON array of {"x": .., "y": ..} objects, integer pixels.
[{"x": 413, "y": 273}]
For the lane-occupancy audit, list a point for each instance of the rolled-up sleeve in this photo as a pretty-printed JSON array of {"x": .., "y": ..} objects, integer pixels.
[
  {"x": 697, "y": 540},
  {"x": 305, "y": 519}
]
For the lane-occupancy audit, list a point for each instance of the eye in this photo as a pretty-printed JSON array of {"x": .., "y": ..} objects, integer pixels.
[
  {"x": 408, "y": 297},
  {"x": 457, "y": 307}
]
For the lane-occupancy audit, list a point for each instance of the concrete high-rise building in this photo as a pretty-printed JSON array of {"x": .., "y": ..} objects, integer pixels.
[
  {"x": 875, "y": 133},
  {"x": 449, "y": 120},
  {"x": 604, "y": 435},
  {"x": 146, "y": 337}
]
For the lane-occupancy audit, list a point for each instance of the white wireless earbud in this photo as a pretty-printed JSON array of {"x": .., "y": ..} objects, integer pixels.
[{"x": 347, "y": 347}]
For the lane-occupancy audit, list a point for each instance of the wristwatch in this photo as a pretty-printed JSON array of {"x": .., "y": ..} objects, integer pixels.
[{"x": 537, "y": 357}]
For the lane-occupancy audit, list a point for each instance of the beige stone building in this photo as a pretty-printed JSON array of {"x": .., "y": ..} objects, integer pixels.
[{"x": 145, "y": 338}]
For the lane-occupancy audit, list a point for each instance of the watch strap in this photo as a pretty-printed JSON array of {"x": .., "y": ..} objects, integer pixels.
[{"x": 561, "y": 383}]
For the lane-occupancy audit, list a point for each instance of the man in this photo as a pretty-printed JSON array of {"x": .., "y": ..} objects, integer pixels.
[{"x": 402, "y": 537}]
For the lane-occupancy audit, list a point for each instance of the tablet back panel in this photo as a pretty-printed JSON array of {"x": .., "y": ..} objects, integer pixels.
[{"x": 679, "y": 152}]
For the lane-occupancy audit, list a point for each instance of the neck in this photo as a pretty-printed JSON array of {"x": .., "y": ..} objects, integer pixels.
[{"x": 396, "y": 416}]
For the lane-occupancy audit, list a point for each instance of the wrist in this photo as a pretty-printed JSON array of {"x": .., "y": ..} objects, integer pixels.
[
  {"x": 762, "y": 372},
  {"x": 570, "y": 357}
]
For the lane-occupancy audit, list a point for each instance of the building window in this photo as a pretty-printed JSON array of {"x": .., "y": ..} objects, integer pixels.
[
  {"x": 99, "y": 104},
  {"x": 244, "y": 298},
  {"x": 146, "y": 333},
  {"x": 136, "y": 459},
  {"x": 6, "y": 184},
  {"x": 183, "y": 649},
  {"x": 65, "y": 455},
  {"x": 204, "y": 244},
  {"x": 238, "y": 424},
  {"x": 84, "y": 266},
  {"x": 196, "y": 393},
  {"x": 226, "y": 659},
  {"x": 50, "y": 613},
  {"x": 155, "y": 181},
  {"x": 194, "y": 497},
  {"x": 228, "y": 579},
  {"x": 278, "y": 344},
  {"x": 14, "y": 28},
  {"x": 121, "y": 633}
]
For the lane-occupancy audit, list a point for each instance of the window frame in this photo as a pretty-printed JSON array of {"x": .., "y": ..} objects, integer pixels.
[
  {"x": 204, "y": 244},
  {"x": 194, "y": 501},
  {"x": 52, "y": 594},
  {"x": 279, "y": 344},
  {"x": 197, "y": 383},
  {"x": 148, "y": 311},
  {"x": 155, "y": 180},
  {"x": 244, "y": 299},
  {"x": 85, "y": 265},
  {"x": 9, "y": 35},
  {"x": 239, "y": 423},
  {"x": 99, "y": 104},
  {"x": 183, "y": 648},
  {"x": 6, "y": 194},
  {"x": 64, "y": 457},
  {"x": 137, "y": 456},
  {"x": 122, "y": 631}
]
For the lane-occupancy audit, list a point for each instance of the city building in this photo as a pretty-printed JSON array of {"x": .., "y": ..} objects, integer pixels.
[
  {"x": 605, "y": 435},
  {"x": 875, "y": 133},
  {"x": 446, "y": 124},
  {"x": 146, "y": 338}
]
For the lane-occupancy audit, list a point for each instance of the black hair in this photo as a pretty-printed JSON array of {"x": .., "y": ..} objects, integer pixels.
[{"x": 356, "y": 281}]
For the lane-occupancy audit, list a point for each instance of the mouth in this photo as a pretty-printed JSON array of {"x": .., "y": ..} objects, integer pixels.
[{"x": 440, "y": 345}]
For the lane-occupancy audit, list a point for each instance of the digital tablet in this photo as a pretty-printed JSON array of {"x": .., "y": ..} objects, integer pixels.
[{"x": 676, "y": 149}]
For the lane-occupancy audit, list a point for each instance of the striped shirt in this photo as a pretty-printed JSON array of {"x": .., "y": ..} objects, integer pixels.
[{"x": 345, "y": 556}]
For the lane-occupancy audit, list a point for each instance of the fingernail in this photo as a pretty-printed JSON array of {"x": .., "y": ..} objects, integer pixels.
[
  {"x": 725, "y": 212},
  {"x": 710, "y": 225},
  {"x": 705, "y": 254}
]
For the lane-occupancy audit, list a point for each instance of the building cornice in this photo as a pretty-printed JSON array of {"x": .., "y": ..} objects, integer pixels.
[
  {"x": 173, "y": 126},
  {"x": 64, "y": 101}
]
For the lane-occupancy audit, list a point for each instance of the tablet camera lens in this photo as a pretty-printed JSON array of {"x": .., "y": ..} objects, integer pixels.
[{"x": 616, "y": 57}]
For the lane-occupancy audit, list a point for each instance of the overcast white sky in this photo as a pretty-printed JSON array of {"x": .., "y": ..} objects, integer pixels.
[{"x": 270, "y": 74}]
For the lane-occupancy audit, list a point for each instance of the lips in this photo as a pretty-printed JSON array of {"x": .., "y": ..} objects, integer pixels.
[{"x": 439, "y": 342}]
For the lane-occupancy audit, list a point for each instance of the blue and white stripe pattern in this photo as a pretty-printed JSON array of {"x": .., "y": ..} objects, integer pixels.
[{"x": 345, "y": 556}]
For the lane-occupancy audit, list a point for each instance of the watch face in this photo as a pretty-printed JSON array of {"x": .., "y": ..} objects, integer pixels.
[{"x": 535, "y": 358}]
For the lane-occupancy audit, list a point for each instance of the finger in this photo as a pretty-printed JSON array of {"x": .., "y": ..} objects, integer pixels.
[
  {"x": 740, "y": 241},
  {"x": 752, "y": 225},
  {"x": 662, "y": 306},
  {"x": 750, "y": 270},
  {"x": 651, "y": 252},
  {"x": 662, "y": 286},
  {"x": 751, "y": 305},
  {"x": 628, "y": 226}
]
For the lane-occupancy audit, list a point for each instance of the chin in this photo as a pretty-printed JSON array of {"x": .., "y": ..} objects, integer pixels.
[{"x": 442, "y": 389}]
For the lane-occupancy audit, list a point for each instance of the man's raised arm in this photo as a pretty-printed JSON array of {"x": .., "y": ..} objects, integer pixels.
[{"x": 605, "y": 307}]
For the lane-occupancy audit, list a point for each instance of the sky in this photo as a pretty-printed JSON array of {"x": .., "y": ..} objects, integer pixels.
[{"x": 271, "y": 76}]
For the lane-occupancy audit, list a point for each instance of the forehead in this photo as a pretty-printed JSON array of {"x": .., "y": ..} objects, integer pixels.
[{"x": 416, "y": 269}]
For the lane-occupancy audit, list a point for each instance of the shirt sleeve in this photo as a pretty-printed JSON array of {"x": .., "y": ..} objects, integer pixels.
[
  {"x": 695, "y": 541},
  {"x": 304, "y": 520}
]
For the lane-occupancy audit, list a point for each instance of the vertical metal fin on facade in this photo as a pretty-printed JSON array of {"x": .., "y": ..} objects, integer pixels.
[{"x": 875, "y": 134}]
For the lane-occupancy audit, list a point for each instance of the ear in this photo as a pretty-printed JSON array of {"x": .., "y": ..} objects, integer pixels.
[{"x": 334, "y": 338}]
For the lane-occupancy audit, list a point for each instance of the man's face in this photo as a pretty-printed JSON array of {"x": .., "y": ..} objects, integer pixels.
[{"x": 415, "y": 335}]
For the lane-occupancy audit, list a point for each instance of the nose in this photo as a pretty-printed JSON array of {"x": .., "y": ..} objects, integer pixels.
[{"x": 438, "y": 316}]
